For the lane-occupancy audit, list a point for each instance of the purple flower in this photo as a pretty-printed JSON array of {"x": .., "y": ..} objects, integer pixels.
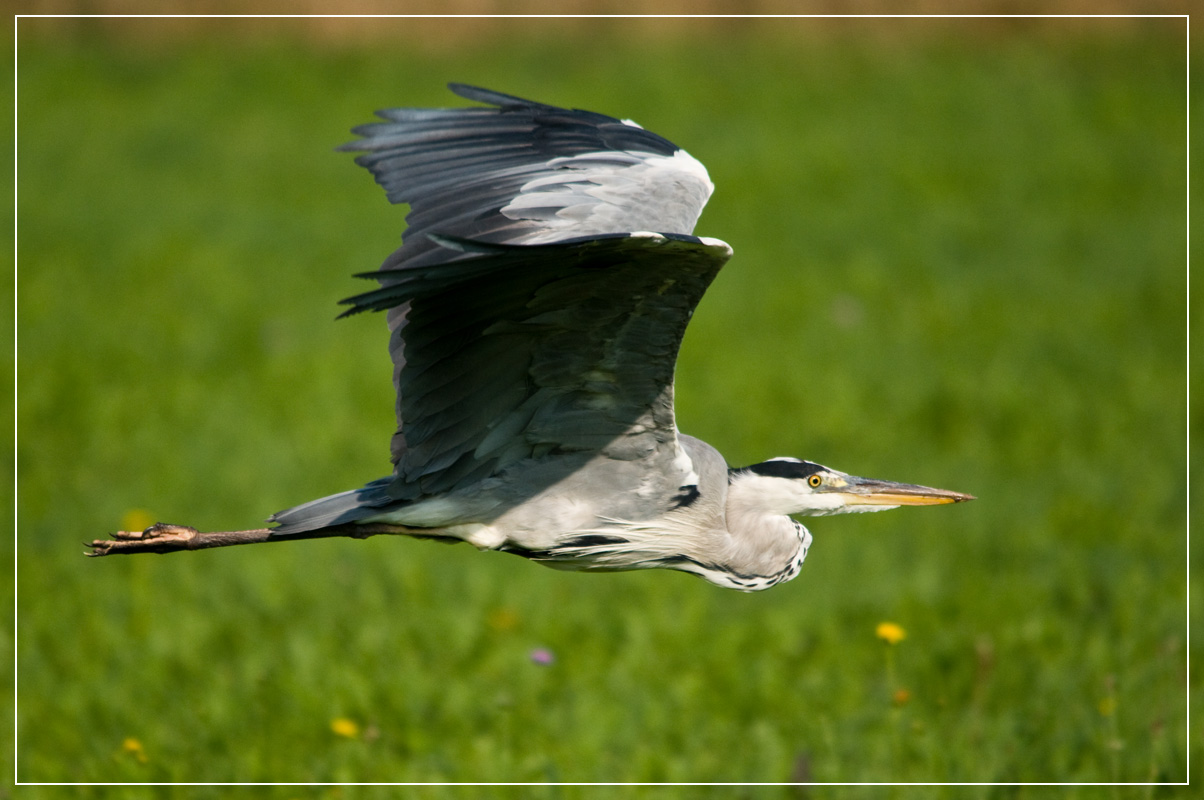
[{"x": 541, "y": 655}]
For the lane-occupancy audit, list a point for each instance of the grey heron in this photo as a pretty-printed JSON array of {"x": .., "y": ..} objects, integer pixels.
[{"x": 536, "y": 306}]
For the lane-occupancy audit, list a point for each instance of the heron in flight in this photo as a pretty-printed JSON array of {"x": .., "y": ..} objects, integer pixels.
[{"x": 544, "y": 283}]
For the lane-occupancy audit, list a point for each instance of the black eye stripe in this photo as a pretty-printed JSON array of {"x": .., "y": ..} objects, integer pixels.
[{"x": 781, "y": 468}]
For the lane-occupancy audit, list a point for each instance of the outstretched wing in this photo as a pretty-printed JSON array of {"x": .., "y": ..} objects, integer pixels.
[
  {"x": 517, "y": 351},
  {"x": 523, "y": 172},
  {"x": 528, "y": 314}
]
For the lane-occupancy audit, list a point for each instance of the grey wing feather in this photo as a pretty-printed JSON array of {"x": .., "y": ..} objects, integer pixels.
[{"x": 560, "y": 347}]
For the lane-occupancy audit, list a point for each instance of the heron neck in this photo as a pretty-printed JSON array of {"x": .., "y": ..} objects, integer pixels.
[{"x": 763, "y": 543}]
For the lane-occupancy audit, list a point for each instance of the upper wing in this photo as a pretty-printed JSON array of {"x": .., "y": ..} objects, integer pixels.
[
  {"x": 518, "y": 351},
  {"x": 525, "y": 172},
  {"x": 509, "y": 352}
]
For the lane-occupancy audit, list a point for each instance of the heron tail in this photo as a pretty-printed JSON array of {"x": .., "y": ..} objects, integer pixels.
[{"x": 336, "y": 509}]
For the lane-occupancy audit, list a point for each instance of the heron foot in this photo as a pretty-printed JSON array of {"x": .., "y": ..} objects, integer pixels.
[{"x": 171, "y": 537}]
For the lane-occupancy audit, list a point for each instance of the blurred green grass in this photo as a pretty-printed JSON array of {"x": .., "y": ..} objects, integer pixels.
[{"x": 959, "y": 261}]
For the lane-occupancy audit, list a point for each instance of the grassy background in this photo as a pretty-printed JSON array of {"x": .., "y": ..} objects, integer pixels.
[{"x": 959, "y": 261}]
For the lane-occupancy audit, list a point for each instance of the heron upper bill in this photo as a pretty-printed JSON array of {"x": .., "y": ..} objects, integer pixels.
[{"x": 869, "y": 492}]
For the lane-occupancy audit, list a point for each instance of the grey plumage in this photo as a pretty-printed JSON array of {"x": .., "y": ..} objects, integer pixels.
[{"x": 536, "y": 307}]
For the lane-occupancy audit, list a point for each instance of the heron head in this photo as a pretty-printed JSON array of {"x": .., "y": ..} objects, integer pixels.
[{"x": 792, "y": 486}]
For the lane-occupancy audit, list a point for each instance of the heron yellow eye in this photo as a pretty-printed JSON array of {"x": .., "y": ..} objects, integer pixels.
[{"x": 814, "y": 481}]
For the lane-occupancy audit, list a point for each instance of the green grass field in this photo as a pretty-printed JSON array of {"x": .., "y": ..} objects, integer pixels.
[{"x": 959, "y": 262}]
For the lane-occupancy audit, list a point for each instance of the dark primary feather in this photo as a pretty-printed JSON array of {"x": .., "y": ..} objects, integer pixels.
[{"x": 458, "y": 167}]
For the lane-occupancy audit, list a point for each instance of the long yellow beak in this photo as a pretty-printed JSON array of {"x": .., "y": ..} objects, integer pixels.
[{"x": 869, "y": 492}]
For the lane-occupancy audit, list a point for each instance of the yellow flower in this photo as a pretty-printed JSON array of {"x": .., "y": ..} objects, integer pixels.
[
  {"x": 345, "y": 727},
  {"x": 134, "y": 748},
  {"x": 503, "y": 619},
  {"x": 891, "y": 633},
  {"x": 901, "y": 696},
  {"x": 136, "y": 519}
]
